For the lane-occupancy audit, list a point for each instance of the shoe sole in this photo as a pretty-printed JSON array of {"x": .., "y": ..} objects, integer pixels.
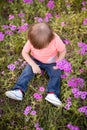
[
  {"x": 54, "y": 103},
  {"x": 12, "y": 96}
]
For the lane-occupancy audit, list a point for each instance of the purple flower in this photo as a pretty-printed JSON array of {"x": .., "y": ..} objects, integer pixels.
[
  {"x": 83, "y": 47},
  {"x": 33, "y": 112},
  {"x": 21, "y": 15},
  {"x": 20, "y": 60},
  {"x": 69, "y": 125},
  {"x": 62, "y": 24},
  {"x": 75, "y": 90},
  {"x": 3, "y": 72},
  {"x": 85, "y": 62},
  {"x": 81, "y": 70},
  {"x": 68, "y": 99},
  {"x": 37, "y": 96},
  {"x": 38, "y": 19},
  {"x": 85, "y": 21},
  {"x": 28, "y": 1},
  {"x": 1, "y": 111},
  {"x": 10, "y": 1},
  {"x": 83, "y": 9},
  {"x": 38, "y": 128},
  {"x": 27, "y": 110},
  {"x": 83, "y": 3},
  {"x": 12, "y": 27},
  {"x": 36, "y": 125},
  {"x": 57, "y": 16},
  {"x": 81, "y": 44},
  {"x": 67, "y": 107},
  {"x": 16, "y": 62},
  {"x": 86, "y": 111},
  {"x": 72, "y": 127},
  {"x": 63, "y": 76},
  {"x": 68, "y": 4},
  {"x": 83, "y": 95},
  {"x": 1, "y": 36},
  {"x": 47, "y": 17},
  {"x": 76, "y": 128},
  {"x": 23, "y": 28},
  {"x": 5, "y": 26},
  {"x": 11, "y": 67},
  {"x": 41, "y": 89},
  {"x": 22, "y": 20},
  {"x": 66, "y": 41},
  {"x": 8, "y": 32},
  {"x": 50, "y": 4},
  {"x": 76, "y": 95},
  {"x": 74, "y": 82},
  {"x": 64, "y": 65},
  {"x": 81, "y": 109},
  {"x": 11, "y": 17},
  {"x": 69, "y": 103},
  {"x": 25, "y": 127}
]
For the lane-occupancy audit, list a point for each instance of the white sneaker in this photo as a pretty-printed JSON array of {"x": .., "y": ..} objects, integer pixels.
[
  {"x": 14, "y": 94},
  {"x": 52, "y": 98}
]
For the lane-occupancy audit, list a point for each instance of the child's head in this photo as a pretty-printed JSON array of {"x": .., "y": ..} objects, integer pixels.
[{"x": 40, "y": 35}]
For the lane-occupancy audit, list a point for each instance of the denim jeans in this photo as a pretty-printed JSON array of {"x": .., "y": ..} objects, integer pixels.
[{"x": 27, "y": 75}]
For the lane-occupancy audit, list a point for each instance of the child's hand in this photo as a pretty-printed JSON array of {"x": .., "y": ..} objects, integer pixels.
[{"x": 36, "y": 69}]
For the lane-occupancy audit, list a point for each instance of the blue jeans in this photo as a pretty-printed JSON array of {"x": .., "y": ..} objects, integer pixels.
[{"x": 27, "y": 75}]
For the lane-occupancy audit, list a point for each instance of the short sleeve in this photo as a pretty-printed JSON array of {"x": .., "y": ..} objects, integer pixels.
[
  {"x": 27, "y": 47},
  {"x": 59, "y": 44}
]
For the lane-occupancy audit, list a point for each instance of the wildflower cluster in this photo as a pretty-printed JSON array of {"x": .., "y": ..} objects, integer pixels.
[
  {"x": 85, "y": 21},
  {"x": 65, "y": 75},
  {"x": 66, "y": 41},
  {"x": 12, "y": 29},
  {"x": 69, "y": 103},
  {"x": 19, "y": 64},
  {"x": 72, "y": 127},
  {"x": 83, "y": 109},
  {"x": 27, "y": 110},
  {"x": 79, "y": 94},
  {"x": 22, "y": 28},
  {"x": 37, "y": 126},
  {"x": 50, "y": 4},
  {"x": 11, "y": 67},
  {"x": 47, "y": 18},
  {"x": 64, "y": 65},
  {"x": 1, "y": 36},
  {"x": 75, "y": 82},
  {"x": 39, "y": 96},
  {"x": 83, "y": 47},
  {"x": 28, "y": 1}
]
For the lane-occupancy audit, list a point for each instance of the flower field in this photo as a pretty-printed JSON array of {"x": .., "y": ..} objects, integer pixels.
[{"x": 68, "y": 18}]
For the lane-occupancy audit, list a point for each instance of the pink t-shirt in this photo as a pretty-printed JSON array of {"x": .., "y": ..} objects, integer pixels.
[{"x": 48, "y": 54}]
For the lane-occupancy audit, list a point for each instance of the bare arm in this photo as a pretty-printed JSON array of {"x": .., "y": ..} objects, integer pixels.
[
  {"x": 28, "y": 59},
  {"x": 61, "y": 57}
]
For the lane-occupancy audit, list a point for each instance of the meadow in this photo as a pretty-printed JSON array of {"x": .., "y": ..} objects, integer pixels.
[{"x": 68, "y": 18}]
